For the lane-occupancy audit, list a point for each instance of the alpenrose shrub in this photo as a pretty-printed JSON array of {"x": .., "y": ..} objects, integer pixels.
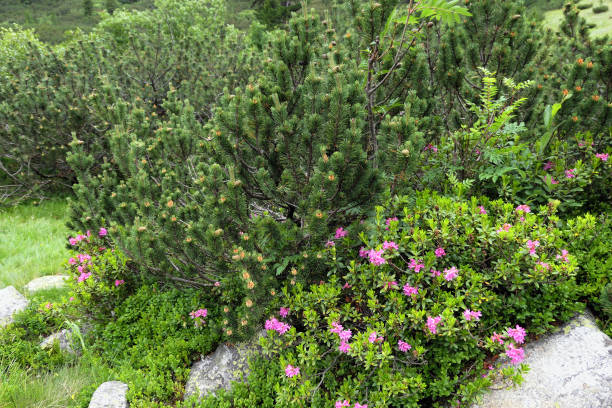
[
  {"x": 102, "y": 276},
  {"x": 417, "y": 309}
]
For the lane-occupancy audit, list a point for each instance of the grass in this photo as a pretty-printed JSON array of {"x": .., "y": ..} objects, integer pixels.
[
  {"x": 602, "y": 21},
  {"x": 21, "y": 389},
  {"x": 33, "y": 242}
]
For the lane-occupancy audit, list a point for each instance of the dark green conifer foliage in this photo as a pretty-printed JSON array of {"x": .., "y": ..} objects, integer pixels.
[
  {"x": 275, "y": 12},
  {"x": 88, "y": 7}
]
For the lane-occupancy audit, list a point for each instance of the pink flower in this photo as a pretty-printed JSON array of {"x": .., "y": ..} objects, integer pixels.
[
  {"x": 217, "y": 284},
  {"x": 279, "y": 327},
  {"x": 284, "y": 311},
  {"x": 389, "y": 245},
  {"x": 71, "y": 299},
  {"x": 548, "y": 166},
  {"x": 532, "y": 245},
  {"x": 470, "y": 314},
  {"x": 341, "y": 404},
  {"x": 336, "y": 328},
  {"x": 83, "y": 258},
  {"x": 391, "y": 285},
  {"x": 482, "y": 209},
  {"x": 564, "y": 255},
  {"x": 497, "y": 338},
  {"x": 552, "y": 180},
  {"x": 450, "y": 274},
  {"x": 291, "y": 371},
  {"x": 435, "y": 273},
  {"x": 376, "y": 257},
  {"x": 403, "y": 346},
  {"x": 84, "y": 276},
  {"x": 388, "y": 222},
  {"x": 416, "y": 265},
  {"x": 358, "y": 405},
  {"x": 543, "y": 265},
  {"x": 72, "y": 261},
  {"x": 570, "y": 173},
  {"x": 329, "y": 244},
  {"x": 73, "y": 241},
  {"x": 340, "y": 233},
  {"x": 524, "y": 208},
  {"x": 345, "y": 335},
  {"x": 102, "y": 232},
  {"x": 346, "y": 286},
  {"x": 373, "y": 337},
  {"x": 48, "y": 306},
  {"x": 363, "y": 253},
  {"x": 516, "y": 354},
  {"x": 199, "y": 313},
  {"x": 440, "y": 252},
  {"x": 432, "y": 324},
  {"x": 517, "y": 334},
  {"x": 119, "y": 282},
  {"x": 344, "y": 347},
  {"x": 505, "y": 227},
  {"x": 602, "y": 156},
  {"x": 410, "y": 290}
]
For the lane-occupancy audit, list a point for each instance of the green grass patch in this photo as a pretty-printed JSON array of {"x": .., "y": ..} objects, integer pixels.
[
  {"x": 33, "y": 241},
  {"x": 66, "y": 387},
  {"x": 602, "y": 21}
]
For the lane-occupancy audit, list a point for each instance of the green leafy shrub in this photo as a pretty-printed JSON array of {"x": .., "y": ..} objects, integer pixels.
[
  {"x": 154, "y": 339},
  {"x": 584, "y": 6},
  {"x": 589, "y": 237},
  {"x": 424, "y": 293},
  {"x": 600, "y": 9},
  {"x": 102, "y": 276}
]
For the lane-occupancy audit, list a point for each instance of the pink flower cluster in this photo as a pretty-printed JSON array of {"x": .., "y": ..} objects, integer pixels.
[
  {"x": 505, "y": 227},
  {"x": 532, "y": 245},
  {"x": 376, "y": 257},
  {"x": 416, "y": 265},
  {"x": 345, "y": 336},
  {"x": 340, "y": 233},
  {"x": 291, "y": 371},
  {"x": 440, "y": 252},
  {"x": 431, "y": 147},
  {"x": 346, "y": 403},
  {"x": 279, "y": 327},
  {"x": 516, "y": 355},
  {"x": 284, "y": 311},
  {"x": 602, "y": 156},
  {"x": 83, "y": 276},
  {"x": 570, "y": 173},
  {"x": 451, "y": 273},
  {"x": 471, "y": 314},
  {"x": 564, "y": 256},
  {"x": 410, "y": 290},
  {"x": 387, "y": 245},
  {"x": 548, "y": 165},
  {"x": 374, "y": 338},
  {"x": 432, "y": 324},
  {"x": 79, "y": 238},
  {"x": 389, "y": 220},
  {"x": 403, "y": 346},
  {"x": 524, "y": 208},
  {"x": 199, "y": 313},
  {"x": 517, "y": 334},
  {"x": 482, "y": 209},
  {"x": 119, "y": 282}
]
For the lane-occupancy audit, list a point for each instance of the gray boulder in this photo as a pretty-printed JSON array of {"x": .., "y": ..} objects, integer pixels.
[
  {"x": 11, "y": 302},
  {"x": 47, "y": 282},
  {"x": 217, "y": 370},
  {"x": 110, "y": 394},
  {"x": 64, "y": 338},
  {"x": 571, "y": 368}
]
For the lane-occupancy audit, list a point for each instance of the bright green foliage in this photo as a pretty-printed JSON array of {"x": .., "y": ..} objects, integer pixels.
[
  {"x": 497, "y": 276},
  {"x": 153, "y": 341}
]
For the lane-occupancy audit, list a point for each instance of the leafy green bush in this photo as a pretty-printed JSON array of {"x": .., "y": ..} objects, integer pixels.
[
  {"x": 600, "y": 9},
  {"x": 102, "y": 276},
  {"x": 584, "y": 6},
  {"x": 154, "y": 339},
  {"x": 420, "y": 315}
]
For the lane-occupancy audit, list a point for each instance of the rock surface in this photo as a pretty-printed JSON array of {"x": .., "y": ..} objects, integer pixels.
[
  {"x": 64, "y": 338},
  {"x": 571, "y": 368},
  {"x": 218, "y": 369},
  {"x": 47, "y": 282},
  {"x": 110, "y": 394},
  {"x": 11, "y": 302}
]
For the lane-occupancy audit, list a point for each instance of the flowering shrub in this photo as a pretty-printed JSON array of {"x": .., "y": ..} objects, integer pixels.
[
  {"x": 417, "y": 309},
  {"x": 102, "y": 275}
]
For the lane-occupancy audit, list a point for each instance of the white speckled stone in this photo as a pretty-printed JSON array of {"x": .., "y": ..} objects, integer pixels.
[
  {"x": 46, "y": 282},
  {"x": 63, "y": 337},
  {"x": 110, "y": 394},
  {"x": 11, "y": 302},
  {"x": 571, "y": 368},
  {"x": 218, "y": 369}
]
